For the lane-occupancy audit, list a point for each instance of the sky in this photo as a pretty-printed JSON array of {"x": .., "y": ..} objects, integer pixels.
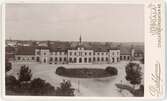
[{"x": 66, "y": 22}]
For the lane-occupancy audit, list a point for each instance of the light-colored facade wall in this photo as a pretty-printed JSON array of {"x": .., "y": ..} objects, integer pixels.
[
  {"x": 114, "y": 56},
  {"x": 101, "y": 57},
  {"x": 80, "y": 56},
  {"x": 125, "y": 57},
  {"x": 75, "y": 56},
  {"x": 25, "y": 58},
  {"x": 43, "y": 55}
]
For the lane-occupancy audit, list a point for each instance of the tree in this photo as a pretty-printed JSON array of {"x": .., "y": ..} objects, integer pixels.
[
  {"x": 8, "y": 65},
  {"x": 24, "y": 74},
  {"x": 11, "y": 84},
  {"x": 60, "y": 70},
  {"x": 133, "y": 73},
  {"x": 40, "y": 87},
  {"x": 65, "y": 89},
  {"x": 112, "y": 70}
]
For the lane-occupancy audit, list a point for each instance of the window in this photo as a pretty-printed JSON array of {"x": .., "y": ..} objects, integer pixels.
[
  {"x": 85, "y": 53},
  {"x": 65, "y": 59},
  {"x": 94, "y": 59},
  {"x": 80, "y": 60},
  {"x": 98, "y": 59},
  {"x": 44, "y": 53},
  {"x": 106, "y": 58},
  {"x": 98, "y": 53},
  {"x": 70, "y": 59},
  {"x": 60, "y": 59},
  {"x": 38, "y": 59},
  {"x": 102, "y": 59},
  {"x": 44, "y": 60},
  {"x": 55, "y": 58},
  {"x": 113, "y": 60},
  {"x": 85, "y": 59},
  {"x": 33, "y": 58},
  {"x": 120, "y": 57},
  {"x": 128, "y": 58},
  {"x": 117, "y": 53},
  {"x": 75, "y": 53},
  {"x": 51, "y": 59},
  {"x": 90, "y": 59},
  {"x": 124, "y": 57},
  {"x": 75, "y": 60},
  {"x": 18, "y": 58},
  {"x": 102, "y": 53},
  {"x": 90, "y": 53}
]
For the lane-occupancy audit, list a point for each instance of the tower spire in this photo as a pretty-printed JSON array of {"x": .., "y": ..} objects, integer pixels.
[{"x": 80, "y": 39}]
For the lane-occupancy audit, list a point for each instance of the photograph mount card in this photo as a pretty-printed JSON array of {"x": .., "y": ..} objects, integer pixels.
[{"x": 101, "y": 50}]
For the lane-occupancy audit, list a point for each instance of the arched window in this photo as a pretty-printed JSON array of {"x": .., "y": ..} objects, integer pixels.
[
  {"x": 18, "y": 58},
  {"x": 75, "y": 60},
  {"x": 113, "y": 60},
  {"x": 38, "y": 59},
  {"x": 32, "y": 58},
  {"x": 124, "y": 57},
  {"x": 44, "y": 60},
  {"x": 85, "y": 59},
  {"x": 102, "y": 59},
  {"x": 80, "y": 60},
  {"x": 55, "y": 58},
  {"x": 98, "y": 59},
  {"x": 120, "y": 57},
  {"x": 65, "y": 59},
  {"x": 94, "y": 59},
  {"x": 90, "y": 59},
  {"x": 106, "y": 58},
  {"x": 60, "y": 59},
  {"x": 70, "y": 59}
]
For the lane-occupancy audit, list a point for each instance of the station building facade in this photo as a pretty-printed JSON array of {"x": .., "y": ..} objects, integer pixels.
[{"x": 72, "y": 55}]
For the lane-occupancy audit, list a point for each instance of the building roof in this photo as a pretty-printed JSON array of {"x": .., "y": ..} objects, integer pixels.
[
  {"x": 9, "y": 49},
  {"x": 25, "y": 50},
  {"x": 42, "y": 47},
  {"x": 125, "y": 51}
]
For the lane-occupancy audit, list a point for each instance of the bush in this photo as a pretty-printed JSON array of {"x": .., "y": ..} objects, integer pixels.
[
  {"x": 25, "y": 74},
  {"x": 111, "y": 70},
  {"x": 11, "y": 84},
  {"x": 65, "y": 89},
  {"x": 8, "y": 66},
  {"x": 40, "y": 87},
  {"x": 133, "y": 73},
  {"x": 60, "y": 70}
]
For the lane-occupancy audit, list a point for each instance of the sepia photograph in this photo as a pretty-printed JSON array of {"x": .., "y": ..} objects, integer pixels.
[{"x": 74, "y": 49}]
